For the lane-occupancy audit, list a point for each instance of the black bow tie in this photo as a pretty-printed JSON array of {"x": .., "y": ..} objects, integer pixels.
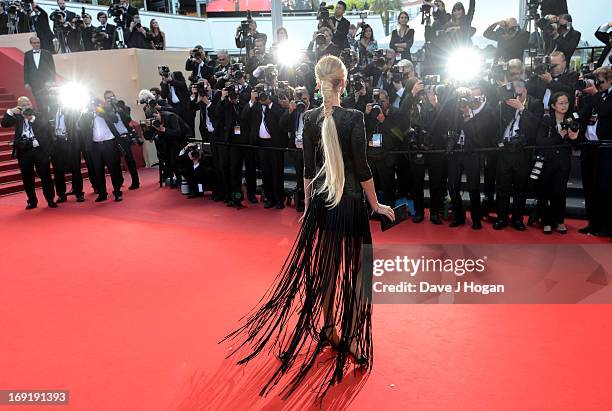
[{"x": 35, "y": 51}]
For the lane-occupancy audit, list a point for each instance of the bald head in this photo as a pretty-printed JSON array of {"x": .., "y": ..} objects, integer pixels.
[{"x": 24, "y": 102}]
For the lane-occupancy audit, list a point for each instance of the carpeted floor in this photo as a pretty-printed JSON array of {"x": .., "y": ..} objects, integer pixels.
[{"x": 122, "y": 304}]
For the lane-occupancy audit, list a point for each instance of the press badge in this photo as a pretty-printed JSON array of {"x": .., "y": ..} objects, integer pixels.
[
  {"x": 376, "y": 140},
  {"x": 237, "y": 130}
]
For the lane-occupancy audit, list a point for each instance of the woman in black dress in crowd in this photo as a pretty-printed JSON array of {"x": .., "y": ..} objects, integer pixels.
[
  {"x": 556, "y": 164},
  {"x": 317, "y": 299},
  {"x": 159, "y": 37},
  {"x": 402, "y": 38},
  {"x": 458, "y": 32}
]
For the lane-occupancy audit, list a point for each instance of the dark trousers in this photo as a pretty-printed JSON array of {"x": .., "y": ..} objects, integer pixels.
[
  {"x": 125, "y": 148},
  {"x": 41, "y": 96},
  {"x": 89, "y": 163},
  {"x": 603, "y": 187},
  {"x": 588, "y": 168},
  {"x": 490, "y": 171},
  {"x": 36, "y": 159},
  {"x": 239, "y": 158},
  {"x": 552, "y": 185},
  {"x": 221, "y": 165},
  {"x": 106, "y": 154},
  {"x": 271, "y": 163},
  {"x": 436, "y": 165},
  {"x": 468, "y": 163},
  {"x": 512, "y": 174},
  {"x": 404, "y": 177},
  {"x": 66, "y": 158},
  {"x": 169, "y": 151},
  {"x": 383, "y": 173},
  {"x": 297, "y": 159}
]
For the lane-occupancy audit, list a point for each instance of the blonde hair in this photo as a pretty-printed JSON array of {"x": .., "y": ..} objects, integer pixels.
[{"x": 330, "y": 71}]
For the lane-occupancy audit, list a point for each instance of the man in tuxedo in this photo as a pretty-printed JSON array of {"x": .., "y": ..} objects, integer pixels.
[
  {"x": 292, "y": 125},
  {"x": 340, "y": 26},
  {"x": 558, "y": 79},
  {"x": 128, "y": 11},
  {"x": 263, "y": 116},
  {"x": 38, "y": 72},
  {"x": 31, "y": 147},
  {"x": 521, "y": 118},
  {"x": 137, "y": 36},
  {"x": 107, "y": 31},
  {"x": 98, "y": 125},
  {"x": 65, "y": 150},
  {"x": 605, "y": 60},
  {"x": 597, "y": 172},
  {"x": 127, "y": 134}
]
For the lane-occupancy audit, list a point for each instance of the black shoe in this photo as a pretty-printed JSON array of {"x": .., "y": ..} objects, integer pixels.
[
  {"x": 52, "y": 204},
  {"x": 230, "y": 203},
  {"x": 280, "y": 205},
  {"x": 61, "y": 199},
  {"x": 252, "y": 199},
  {"x": 101, "y": 197},
  {"x": 435, "y": 219},
  {"x": 269, "y": 204},
  {"x": 300, "y": 207},
  {"x": 118, "y": 196},
  {"x": 456, "y": 223},
  {"x": 217, "y": 197},
  {"x": 518, "y": 225},
  {"x": 585, "y": 230},
  {"x": 476, "y": 225},
  {"x": 80, "y": 198},
  {"x": 70, "y": 193},
  {"x": 196, "y": 195},
  {"x": 96, "y": 191},
  {"x": 418, "y": 218},
  {"x": 500, "y": 224},
  {"x": 30, "y": 206},
  {"x": 134, "y": 186}
]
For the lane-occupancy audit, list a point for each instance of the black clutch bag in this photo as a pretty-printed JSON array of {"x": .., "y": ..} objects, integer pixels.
[{"x": 401, "y": 214}]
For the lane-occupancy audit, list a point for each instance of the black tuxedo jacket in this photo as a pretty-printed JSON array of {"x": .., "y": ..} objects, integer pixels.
[
  {"x": 566, "y": 83},
  {"x": 529, "y": 123},
  {"x": 228, "y": 115},
  {"x": 253, "y": 116},
  {"x": 110, "y": 29},
  {"x": 43, "y": 30},
  {"x": 40, "y": 126},
  {"x": 340, "y": 38},
  {"x": 604, "y": 38},
  {"x": 37, "y": 77},
  {"x": 288, "y": 125},
  {"x": 85, "y": 127},
  {"x": 568, "y": 43},
  {"x": 600, "y": 103}
]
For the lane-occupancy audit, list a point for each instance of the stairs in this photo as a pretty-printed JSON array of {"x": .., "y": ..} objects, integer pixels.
[{"x": 10, "y": 177}]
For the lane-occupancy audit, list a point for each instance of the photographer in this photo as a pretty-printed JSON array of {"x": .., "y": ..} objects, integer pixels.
[
  {"x": 292, "y": 124},
  {"x": 382, "y": 127},
  {"x": 340, "y": 26},
  {"x": 192, "y": 156},
  {"x": 66, "y": 148},
  {"x": 68, "y": 15},
  {"x": 170, "y": 132},
  {"x": 458, "y": 31},
  {"x": 597, "y": 162},
  {"x": 553, "y": 78},
  {"x": 202, "y": 100},
  {"x": 104, "y": 35},
  {"x": 97, "y": 126},
  {"x": 14, "y": 20},
  {"x": 247, "y": 33},
  {"x": 138, "y": 36},
  {"x": 605, "y": 60},
  {"x": 262, "y": 115},
  {"x": 521, "y": 117},
  {"x": 198, "y": 67},
  {"x": 127, "y": 134},
  {"x": 174, "y": 89},
  {"x": 366, "y": 46},
  {"x": 357, "y": 95},
  {"x": 511, "y": 40},
  {"x": 31, "y": 147},
  {"x": 428, "y": 133},
  {"x": 123, "y": 12},
  {"x": 471, "y": 130},
  {"x": 435, "y": 47},
  {"x": 257, "y": 58},
  {"x": 556, "y": 129},
  {"x": 87, "y": 33},
  {"x": 559, "y": 34},
  {"x": 43, "y": 30},
  {"x": 321, "y": 45}
]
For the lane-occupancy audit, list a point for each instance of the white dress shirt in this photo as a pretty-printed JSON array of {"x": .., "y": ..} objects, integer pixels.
[
  {"x": 174, "y": 97},
  {"x": 263, "y": 131},
  {"x": 101, "y": 132},
  {"x": 36, "y": 55},
  {"x": 121, "y": 128}
]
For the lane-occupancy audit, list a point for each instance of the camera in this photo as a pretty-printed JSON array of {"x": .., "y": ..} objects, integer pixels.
[
  {"x": 163, "y": 71},
  {"x": 270, "y": 73},
  {"x": 263, "y": 92},
  {"x": 320, "y": 39},
  {"x": 138, "y": 26},
  {"x": 202, "y": 89},
  {"x": 27, "y": 112},
  {"x": 24, "y": 143},
  {"x": 572, "y": 123},
  {"x": 57, "y": 16},
  {"x": 397, "y": 74},
  {"x": 506, "y": 91},
  {"x": 245, "y": 25},
  {"x": 348, "y": 57},
  {"x": 532, "y": 8},
  {"x": 434, "y": 84},
  {"x": 233, "y": 90},
  {"x": 542, "y": 65},
  {"x": 323, "y": 12},
  {"x": 116, "y": 10},
  {"x": 376, "y": 108}
]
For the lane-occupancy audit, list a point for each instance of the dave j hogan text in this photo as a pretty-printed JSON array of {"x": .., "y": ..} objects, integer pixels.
[{"x": 468, "y": 287}]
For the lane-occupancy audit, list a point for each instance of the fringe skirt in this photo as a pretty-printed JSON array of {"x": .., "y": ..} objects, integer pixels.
[{"x": 324, "y": 267}]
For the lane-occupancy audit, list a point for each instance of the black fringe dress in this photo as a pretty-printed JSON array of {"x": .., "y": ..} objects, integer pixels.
[{"x": 326, "y": 257}]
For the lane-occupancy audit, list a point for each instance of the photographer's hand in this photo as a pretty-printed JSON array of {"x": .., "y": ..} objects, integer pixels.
[
  {"x": 368, "y": 109},
  {"x": 417, "y": 88},
  {"x": 515, "y": 104},
  {"x": 161, "y": 128},
  {"x": 432, "y": 98},
  {"x": 546, "y": 77},
  {"x": 254, "y": 95},
  {"x": 591, "y": 90},
  {"x": 224, "y": 94},
  {"x": 292, "y": 107},
  {"x": 194, "y": 89},
  {"x": 16, "y": 110}
]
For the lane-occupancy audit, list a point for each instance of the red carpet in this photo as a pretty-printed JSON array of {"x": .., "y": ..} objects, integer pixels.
[{"x": 122, "y": 304}]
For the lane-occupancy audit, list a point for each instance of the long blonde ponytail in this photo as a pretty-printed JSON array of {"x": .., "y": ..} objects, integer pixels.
[{"x": 329, "y": 72}]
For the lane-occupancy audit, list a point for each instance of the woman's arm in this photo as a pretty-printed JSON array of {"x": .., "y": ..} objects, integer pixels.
[{"x": 163, "y": 36}]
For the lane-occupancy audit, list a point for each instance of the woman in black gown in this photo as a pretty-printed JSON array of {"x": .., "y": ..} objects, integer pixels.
[{"x": 317, "y": 299}]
